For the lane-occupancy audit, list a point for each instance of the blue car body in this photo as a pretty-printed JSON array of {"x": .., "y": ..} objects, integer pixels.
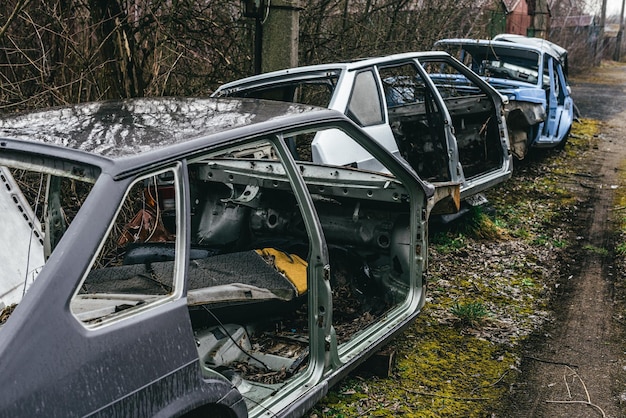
[{"x": 532, "y": 73}]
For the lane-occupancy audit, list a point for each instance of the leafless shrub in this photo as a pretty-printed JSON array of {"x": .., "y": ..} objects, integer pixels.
[
  {"x": 56, "y": 52},
  {"x": 334, "y": 30},
  {"x": 70, "y": 51},
  {"x": 575, "y": 28}
]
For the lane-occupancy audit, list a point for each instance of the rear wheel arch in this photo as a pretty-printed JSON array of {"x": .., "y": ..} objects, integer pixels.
[
  {"x": 215, "y": 398},
  {"x": 210, "y": 410}
]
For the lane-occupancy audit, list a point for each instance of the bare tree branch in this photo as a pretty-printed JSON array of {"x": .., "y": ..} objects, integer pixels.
[{"x": 18, "y": 8}]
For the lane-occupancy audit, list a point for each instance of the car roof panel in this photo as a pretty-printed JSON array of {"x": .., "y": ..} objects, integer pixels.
[
  {"x": 321, "y": 70},
  {"x": 123, "y": 128}
]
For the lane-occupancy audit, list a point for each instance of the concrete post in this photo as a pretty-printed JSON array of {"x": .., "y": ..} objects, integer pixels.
[
  {"x": 540, "y": 20},
  {"x": 617, "y": 56},
  {"x": 280, "y": 35},
  {"x": 600, "y": 43}
]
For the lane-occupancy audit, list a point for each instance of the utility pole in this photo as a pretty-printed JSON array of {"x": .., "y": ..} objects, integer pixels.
[
  {"x": 539, "y": 19},
  {"x": 281, "y": 27},
  {"x": 600, "y": 40},
  {"x": 276, "y": 30},
  {"x": 620, "y": 34}
]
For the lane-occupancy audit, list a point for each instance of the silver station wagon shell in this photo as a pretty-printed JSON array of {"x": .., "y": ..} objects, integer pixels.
[{"x": 449, "y": 140}]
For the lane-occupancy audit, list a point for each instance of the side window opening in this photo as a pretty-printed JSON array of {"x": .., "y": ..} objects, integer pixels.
[
  {"x": 547, "y": 62},
  {"x": 559, "y": 83},
  {"x": 314, "y": 92},
  {"x": 283, "y": 93},
  {"x": 136, "y": 265},
  {"x": 551, "y": 87}
]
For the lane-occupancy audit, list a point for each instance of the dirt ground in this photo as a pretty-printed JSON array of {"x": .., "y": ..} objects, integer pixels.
[
  {"x": 577, "y": 366},
  {"x": 542, "y": 284}
]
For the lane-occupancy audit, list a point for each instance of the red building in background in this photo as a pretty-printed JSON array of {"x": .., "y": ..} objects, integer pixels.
[
  {"x": 527, "y": 17},
  {"x": 517, "y": 18}
]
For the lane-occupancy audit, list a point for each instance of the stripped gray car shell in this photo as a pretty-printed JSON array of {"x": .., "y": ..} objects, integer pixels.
[{"x": 99, "y": 330}]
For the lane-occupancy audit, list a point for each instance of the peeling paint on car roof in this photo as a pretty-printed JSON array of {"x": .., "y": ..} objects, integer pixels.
[{"x": 122, "y": 128}]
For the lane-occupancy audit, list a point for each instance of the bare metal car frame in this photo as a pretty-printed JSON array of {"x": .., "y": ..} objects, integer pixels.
[
  {"x": 182, "y": 252},
  {"x": 425, "y": 107}
]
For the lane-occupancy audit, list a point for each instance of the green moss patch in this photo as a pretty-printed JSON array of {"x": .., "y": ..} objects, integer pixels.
[{"x": 490, "y": 282}]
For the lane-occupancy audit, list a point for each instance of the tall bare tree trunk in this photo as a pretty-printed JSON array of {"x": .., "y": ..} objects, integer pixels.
[{"x": 118, "y": 46}]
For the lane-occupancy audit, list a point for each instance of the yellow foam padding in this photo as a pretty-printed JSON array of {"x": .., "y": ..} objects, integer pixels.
[{"x": 290, "y": 265}]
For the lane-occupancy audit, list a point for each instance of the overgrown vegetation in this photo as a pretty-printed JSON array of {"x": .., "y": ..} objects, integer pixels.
[
  {"x": 620, "y": 211},
  {"x": 57, "y": 52},
  {"x": 487, "y": 293}
]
